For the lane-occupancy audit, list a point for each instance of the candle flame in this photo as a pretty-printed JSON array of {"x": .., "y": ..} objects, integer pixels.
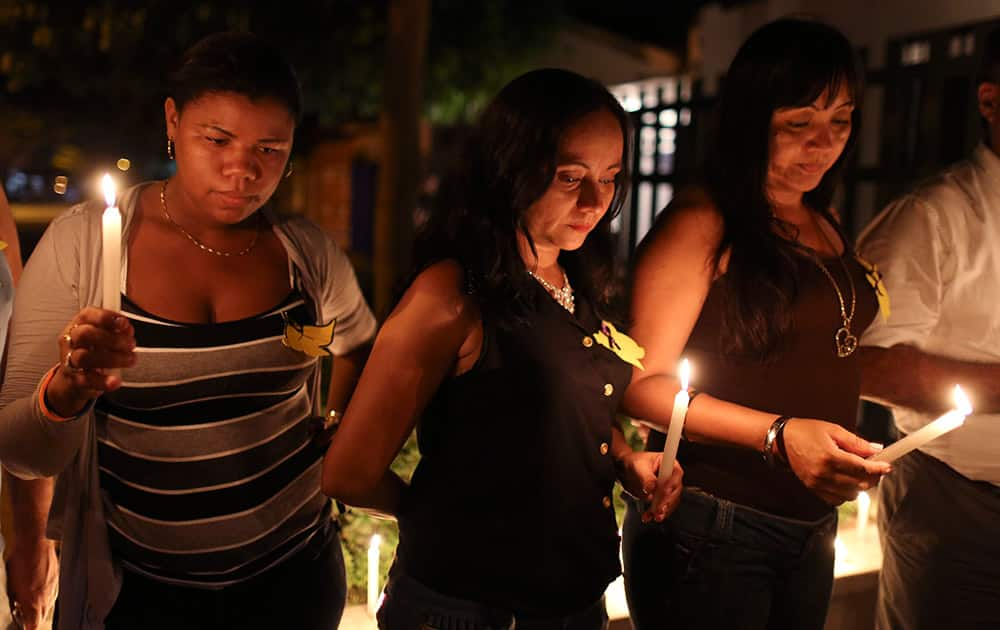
[
  {"x": 962, "y": 403},
  {"x": 375, "y": 542},
  {"x": 685, "y": 373},
  {"x": 108, "y": 185}
]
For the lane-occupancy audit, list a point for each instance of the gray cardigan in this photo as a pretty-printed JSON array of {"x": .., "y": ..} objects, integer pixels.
[{"x": 63, "y": 276}]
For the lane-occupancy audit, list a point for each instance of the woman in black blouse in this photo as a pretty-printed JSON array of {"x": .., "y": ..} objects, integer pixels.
[{"x": 503, "y": 353}]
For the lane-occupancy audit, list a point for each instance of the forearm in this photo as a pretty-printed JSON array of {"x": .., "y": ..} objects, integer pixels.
[
  {"x": 904, "y": 376},
  {"x": 383, "y": 498},
  {"x": 620, "y": 449},
  {"x": 344, "y": 377},
  {"x": 33, "y": 446},
  {"x": 708, "y": 419},
  {"x": 27, "y": 503}
]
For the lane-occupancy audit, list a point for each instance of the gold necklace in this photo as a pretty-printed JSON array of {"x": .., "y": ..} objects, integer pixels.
[
  {"x": 844, "y": 340},
  {"x": 563, "y": 296},
  {"x": 193, "y": 239}
]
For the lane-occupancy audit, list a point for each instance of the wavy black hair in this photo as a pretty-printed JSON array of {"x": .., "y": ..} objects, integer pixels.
[
  {"x": 786, "y": 63},
  {"x": 237, "y": 62},
  {"x": 507, "y": 163}
]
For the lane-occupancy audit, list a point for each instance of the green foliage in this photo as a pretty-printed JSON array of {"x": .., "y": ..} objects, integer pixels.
[
  {"x": 358, "y": 528},
  {"x": 92, "y": 72}
]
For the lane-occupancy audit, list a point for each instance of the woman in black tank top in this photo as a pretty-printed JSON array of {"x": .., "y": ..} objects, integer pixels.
[
  {"x": 505, "y": 357},
  {"x": 752, "y": 280}
]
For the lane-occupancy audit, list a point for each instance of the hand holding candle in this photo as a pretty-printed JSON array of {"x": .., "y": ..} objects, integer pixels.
[
  {"x": 949, "y": 421},
  {"x": 676, "y": 427}
]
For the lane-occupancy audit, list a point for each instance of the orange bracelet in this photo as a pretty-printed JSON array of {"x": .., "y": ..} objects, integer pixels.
[{"x": 41, "y": 398}]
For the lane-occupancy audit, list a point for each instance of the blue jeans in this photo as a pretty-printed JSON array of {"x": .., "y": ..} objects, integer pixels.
[
  {"x": 717, "y": 564},
  {"x": 409, "y": 605}
]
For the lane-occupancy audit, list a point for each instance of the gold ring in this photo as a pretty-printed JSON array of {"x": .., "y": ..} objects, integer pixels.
[
  {"x": 68, "y": 363},
  {"x": 68, "y": 339}
]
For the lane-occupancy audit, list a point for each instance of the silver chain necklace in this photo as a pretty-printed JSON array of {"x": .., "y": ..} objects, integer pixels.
[
  {"x": 843, "y": 340},
  {"x": 193, "y": 239},
  {"x": 564, "y": 296}
]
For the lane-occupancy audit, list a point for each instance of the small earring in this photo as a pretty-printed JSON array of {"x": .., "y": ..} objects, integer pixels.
[
  {"x": 291, "y": 169},
  {"x": 170, "y": 148}
]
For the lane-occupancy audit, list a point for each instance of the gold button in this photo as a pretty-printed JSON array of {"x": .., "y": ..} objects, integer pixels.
[
  {"x": 606, "y": 501},
  {"x": 587, "y": 342},
  {"x": 604, "y": 448},
  {"x": 609, "y": 389}
]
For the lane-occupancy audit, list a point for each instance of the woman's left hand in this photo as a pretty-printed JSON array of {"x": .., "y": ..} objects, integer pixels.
[{"x": 638, "y": 475}]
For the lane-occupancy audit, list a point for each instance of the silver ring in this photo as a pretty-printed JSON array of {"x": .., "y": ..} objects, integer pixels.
[{"x": 68, "y": 364}]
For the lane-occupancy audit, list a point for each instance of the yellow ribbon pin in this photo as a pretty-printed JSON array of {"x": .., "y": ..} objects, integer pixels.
[
  {"x": 621, "y": 344},
  {"x": 874, "y": 277},
  {"x": 310, "y": 340}
]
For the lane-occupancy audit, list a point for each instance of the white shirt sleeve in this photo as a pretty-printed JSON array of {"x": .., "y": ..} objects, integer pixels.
[
  {"x": 343, "y": 301},
  {"x": 907, "y": 242}
]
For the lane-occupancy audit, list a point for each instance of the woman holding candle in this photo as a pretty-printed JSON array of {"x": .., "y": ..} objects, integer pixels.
[
  {"x": 752, "y": 279},
  {"x": 188, "y": 489},
  {"x": 504, "y": 355}
]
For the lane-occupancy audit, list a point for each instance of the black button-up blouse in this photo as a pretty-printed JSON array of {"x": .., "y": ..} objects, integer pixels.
[{"x": 510, "y": 505}]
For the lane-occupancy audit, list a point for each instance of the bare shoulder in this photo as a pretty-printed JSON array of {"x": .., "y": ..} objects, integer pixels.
[
  {"x": 692, "y": 220},
  {"x": 440, "y": 291}
]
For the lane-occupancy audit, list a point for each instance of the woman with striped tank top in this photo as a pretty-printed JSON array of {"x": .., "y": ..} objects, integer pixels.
[{"x": 188, "y": 489}]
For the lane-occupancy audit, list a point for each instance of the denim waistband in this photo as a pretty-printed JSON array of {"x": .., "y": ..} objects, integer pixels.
[
  {"x": 444, "y": 612},
  {"x": 724, "y": 521}
]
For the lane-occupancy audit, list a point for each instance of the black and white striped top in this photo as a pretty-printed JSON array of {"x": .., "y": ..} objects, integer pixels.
[{"x": 206, "y": 452}]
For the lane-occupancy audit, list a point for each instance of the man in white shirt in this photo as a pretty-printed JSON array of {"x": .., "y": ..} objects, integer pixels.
[{"x": 939, "y": 250}]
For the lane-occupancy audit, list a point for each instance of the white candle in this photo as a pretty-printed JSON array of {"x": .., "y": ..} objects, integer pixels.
[
  {"x": 373, "y": 560},
  {"x": 677, "y": 416},
  {"x": 864, "y": 505},
  {"x": 949, "y": 421},
  {"x": 111, "y": 234}
]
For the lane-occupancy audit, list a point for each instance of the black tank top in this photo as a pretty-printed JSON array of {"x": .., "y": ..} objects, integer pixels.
[
  {"x": 804, "y": 378},
  {"x": 510, "y": 503}
]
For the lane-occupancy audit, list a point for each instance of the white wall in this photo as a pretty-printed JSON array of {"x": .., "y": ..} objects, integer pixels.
[
  {"x": 867, "y": 23},
  {"x": 605, "y": 57}
]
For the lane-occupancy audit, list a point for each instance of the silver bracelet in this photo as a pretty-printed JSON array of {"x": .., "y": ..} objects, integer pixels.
[{"x": 771, "y": 437}]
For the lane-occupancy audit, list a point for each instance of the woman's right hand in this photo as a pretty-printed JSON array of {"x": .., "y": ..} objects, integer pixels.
[
  {"x": 830, "y": 460},
  {"x": 95, "y": 341}
]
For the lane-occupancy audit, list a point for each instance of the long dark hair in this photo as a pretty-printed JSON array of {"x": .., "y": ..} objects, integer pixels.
[
  {"x": 786, "y": 63},
  {"x": 507, "y": 163}
]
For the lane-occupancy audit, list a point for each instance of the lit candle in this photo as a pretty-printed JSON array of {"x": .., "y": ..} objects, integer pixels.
[
  {"x": 949, "y": 421},
  {"x": 373, "y": 559},
  {"x": 864, "y": 504},
  {"x": 677, "y": 416},
  {"x": 111, "y": 233}
]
